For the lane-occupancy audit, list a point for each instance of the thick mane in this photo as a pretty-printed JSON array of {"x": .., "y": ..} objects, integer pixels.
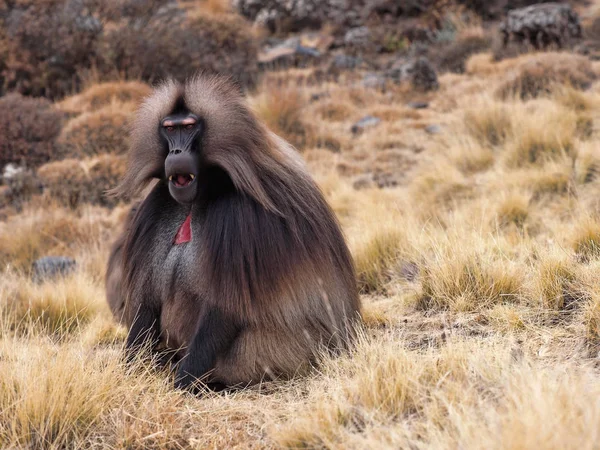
[
  {"x": 265, "y": 280},
  {"x": 234, "y": 139},
  {"x": 146, "y": 155},
  {"x": 275, "y": 197}
]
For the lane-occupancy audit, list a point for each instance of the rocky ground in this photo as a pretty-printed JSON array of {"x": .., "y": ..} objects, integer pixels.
[{"x": 455, "y": 140}]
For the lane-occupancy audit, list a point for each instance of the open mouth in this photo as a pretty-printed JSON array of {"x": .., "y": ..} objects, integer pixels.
[{"x": 182, "y": 179}]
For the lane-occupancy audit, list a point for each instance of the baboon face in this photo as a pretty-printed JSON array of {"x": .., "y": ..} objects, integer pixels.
[{"x": 181, "y": 133}]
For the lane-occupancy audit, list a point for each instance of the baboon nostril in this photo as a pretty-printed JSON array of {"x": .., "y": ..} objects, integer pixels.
[{"x": 176, "y": 151}]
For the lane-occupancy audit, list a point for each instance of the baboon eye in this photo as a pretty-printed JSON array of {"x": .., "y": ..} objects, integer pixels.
[
  {"x": 170, "y": 129},
  {"x": 189, "y": 126}
]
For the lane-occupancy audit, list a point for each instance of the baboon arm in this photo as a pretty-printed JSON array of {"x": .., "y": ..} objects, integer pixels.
[
  {"x": 144, "y": 331},
  {"x": 216, "y": 334}
]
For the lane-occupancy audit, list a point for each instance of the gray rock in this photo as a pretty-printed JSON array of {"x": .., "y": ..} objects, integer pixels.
[
  {"x": 52, "y": 267},
  {"x": 364, "y": 123},
  {"x": 319, "y": 96},
  {"x": 418, "y": 105},
  {"x": 418, "y": 71},
  {"x": 20, "y": 185},
  {"x": 374, "y": 81},
  {"x": 288, "y": 53},
  {"x": 433, "y": 129},
  {"x": 346, "y": 62},
  {"x": 386, "y": 179},
  {"x": 10, "y": 171},
  {"x": 295, "y": 15},
  {"x": 542, "y": 25},
  {"x": 88, "y": 24},
  {"x": 363, "y": 182},
  {"x": 358, "y": 37}
]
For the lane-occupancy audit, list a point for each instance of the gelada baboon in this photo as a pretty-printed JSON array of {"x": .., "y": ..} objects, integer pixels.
[
  {"x": 233, "y": 261},
  {"x": 114, "y": 271}
]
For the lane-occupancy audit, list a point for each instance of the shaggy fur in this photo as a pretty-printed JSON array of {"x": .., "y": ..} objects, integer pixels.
[{"x": 267, "y": 280}]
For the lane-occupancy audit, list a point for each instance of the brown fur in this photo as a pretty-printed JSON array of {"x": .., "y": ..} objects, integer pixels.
[
  {"x": 114, "y": 272},
  {"x": 267, "y": 255}
]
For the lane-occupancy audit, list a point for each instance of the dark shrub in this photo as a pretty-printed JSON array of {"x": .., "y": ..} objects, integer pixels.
[
  {"x": 495, "y": 9},
  {"x": 174, "y": 43},
  {"x": 540, "y": 74},
  {"x": 28, "y": 130},
  {"x": 73, "y": 182},
  {"x": 48, "y": 42},
  {"x": 104, "y": 94},
  {"x": 453, "y": 57},
  {"x": 115, "y": 10},
  {"x": 96, "y": 132},
  {"x": 20, "y": 187}
]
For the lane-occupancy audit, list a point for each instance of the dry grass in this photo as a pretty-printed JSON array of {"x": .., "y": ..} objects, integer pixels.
[
  {"x": 100, "y": 95},
  {"x": 489, "y": 122},
  {"x": 540, "y": 74},
  {"x": 73, "y": 182},
  {"x": 51, "y": 231},
  {"x": 556, "y": 282},
  {"x": 105, "y": 130},
  {"x": 468, "y": 278},
  {"x": 57, "y": 307},
  {"x": 478, "y": 274},
  {"x": 459, "y": 397},
  {"x": 378, "y": 259},
  {"x": 281, "y": 109},
  {"x": 586, "y": 239},
  {"x": 543, "y": 132}
]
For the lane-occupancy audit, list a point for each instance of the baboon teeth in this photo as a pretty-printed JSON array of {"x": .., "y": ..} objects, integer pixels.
[
  {"x": 192, "y": 176},
  {"x": 170, "y": 177}
]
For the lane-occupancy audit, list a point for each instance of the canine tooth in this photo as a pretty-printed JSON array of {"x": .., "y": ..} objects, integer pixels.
[
  {"x": 192, "y": 176},
  {"x": 170, "y": 177}
]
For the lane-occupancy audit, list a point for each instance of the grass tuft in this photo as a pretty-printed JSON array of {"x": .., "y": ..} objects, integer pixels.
[
  {"x": 586, "y": 239},
  {"x": 468, "y": 279},
  {"x": 489, "y": 122},
  {"x": 557, "y": 284},
  {"x": 378, "y": 259}
]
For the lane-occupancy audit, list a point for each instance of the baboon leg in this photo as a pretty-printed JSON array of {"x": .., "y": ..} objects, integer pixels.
[
  {"x": 214, "y": 337},
  {"x": 144, "y": 331}
]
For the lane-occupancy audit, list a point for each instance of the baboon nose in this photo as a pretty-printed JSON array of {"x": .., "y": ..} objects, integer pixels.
[{"x": 175, "y": 151}]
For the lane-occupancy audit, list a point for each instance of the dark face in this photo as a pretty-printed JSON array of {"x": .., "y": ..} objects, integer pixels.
[{"x": 181, "y": 133}]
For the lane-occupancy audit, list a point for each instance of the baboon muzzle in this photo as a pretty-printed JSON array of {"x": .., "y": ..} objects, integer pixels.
[
  {"x": 181, "y": 169},
  {"x": 181, "y": 132}
]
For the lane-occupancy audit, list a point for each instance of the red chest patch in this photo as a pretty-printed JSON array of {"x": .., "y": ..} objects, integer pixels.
[{"x": 184, "y": 234}]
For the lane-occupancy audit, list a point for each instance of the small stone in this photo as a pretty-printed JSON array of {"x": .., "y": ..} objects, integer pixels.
[
  {"x": 386, "y": 179},
  {"x": 364, "y": 123},
  {"x": 542, "y": 25},
  {"x": 10, "y": 171},
  {"x": 363, "y": 182},
  {"x": 418, "y": 71},
  {"x": 418, "y": 105},
  {"x": 318, "y": 96},
  {"x": 373, "y": 81},
  {"x": 288, "y": 53},
  {"x": 346, "y": 62},
  {"x": 433, "y": 129},
  {"x": 52, "y": 267},
  {"x": 357, "y": 37}
]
